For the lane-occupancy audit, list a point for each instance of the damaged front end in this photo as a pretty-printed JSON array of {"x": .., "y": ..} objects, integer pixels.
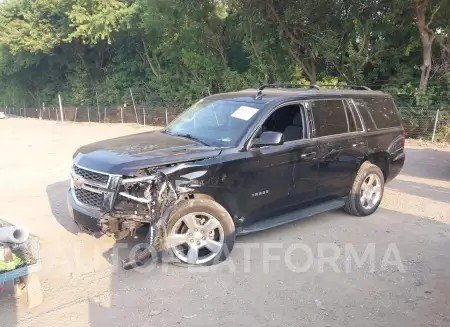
[
  {"x": 118, "y": 205},
  {"x": 139, "y": 200}
]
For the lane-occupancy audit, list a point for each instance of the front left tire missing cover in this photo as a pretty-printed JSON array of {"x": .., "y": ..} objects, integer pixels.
[{"x": 200, "y": 232}]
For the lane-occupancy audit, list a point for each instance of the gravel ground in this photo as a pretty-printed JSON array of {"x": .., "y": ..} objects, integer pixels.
[{"x": 83, "y": 286}]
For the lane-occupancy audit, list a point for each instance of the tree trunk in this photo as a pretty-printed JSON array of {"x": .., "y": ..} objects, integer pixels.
[
  {"x": 427, "y": 37},
  {"x": 426, "y": 65},
  {"x": 309, "y": 68},
  {"x": 149, "y": 60},
  {"x": 312, "y": 65}
]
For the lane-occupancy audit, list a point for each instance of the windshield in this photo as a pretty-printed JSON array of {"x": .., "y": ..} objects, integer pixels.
[{"x": 215, "y": 122}]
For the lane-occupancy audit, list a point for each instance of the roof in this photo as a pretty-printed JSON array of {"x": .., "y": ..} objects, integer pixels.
[{"x": 280, "y": 94}]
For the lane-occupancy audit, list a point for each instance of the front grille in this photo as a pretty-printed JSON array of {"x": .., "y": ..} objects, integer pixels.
[
  {"x": 89, "y": 198},
  {"x": 91, "y": 176}
]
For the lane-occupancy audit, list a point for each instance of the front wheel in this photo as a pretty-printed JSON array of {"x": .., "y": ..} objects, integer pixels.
[
  {"x": 200, "y": 232},
  {"x": 367, "y": 191}
]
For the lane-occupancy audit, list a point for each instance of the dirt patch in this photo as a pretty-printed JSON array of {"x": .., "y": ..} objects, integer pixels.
[
  {"x": 417, "y": 143},
  {"x": 263, "y": 283}
]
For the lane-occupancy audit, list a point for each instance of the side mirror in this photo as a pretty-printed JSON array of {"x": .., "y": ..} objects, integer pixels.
[{"x": 268, "y": 138}]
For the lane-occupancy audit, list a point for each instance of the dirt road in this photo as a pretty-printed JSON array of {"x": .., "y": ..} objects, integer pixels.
[{"x": 83, "y": 286}]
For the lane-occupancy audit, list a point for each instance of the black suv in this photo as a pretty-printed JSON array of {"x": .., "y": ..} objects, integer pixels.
[{"x": 240, "y": 162}]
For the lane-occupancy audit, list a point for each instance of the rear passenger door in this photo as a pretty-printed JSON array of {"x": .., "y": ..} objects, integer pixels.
[{"x": 341, "y": 144}]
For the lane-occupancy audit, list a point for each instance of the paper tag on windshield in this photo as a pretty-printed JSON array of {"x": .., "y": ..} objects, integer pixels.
[{"x": 244, "y": 113}]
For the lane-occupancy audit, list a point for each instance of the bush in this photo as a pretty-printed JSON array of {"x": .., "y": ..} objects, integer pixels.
[{"x": 443, "y": 128}]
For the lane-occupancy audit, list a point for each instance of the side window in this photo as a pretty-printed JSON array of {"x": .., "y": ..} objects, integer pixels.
[
  {"x": 378, "y": 112},
  {"x": 363, "y": 107},
  {"x": 329, "y": 117},
  {"x": 354, "y": 121},
  {"x": 287, "y": 120},
  {"x": 383, "y": 112},
  {"x": 350, "y": 119}
]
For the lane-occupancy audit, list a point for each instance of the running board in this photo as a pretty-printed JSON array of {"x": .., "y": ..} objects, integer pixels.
[{"x": 291, "y": 216}]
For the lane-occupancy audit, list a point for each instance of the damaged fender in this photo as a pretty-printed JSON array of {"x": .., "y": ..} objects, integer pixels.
[{"x": 150, "y": 197}]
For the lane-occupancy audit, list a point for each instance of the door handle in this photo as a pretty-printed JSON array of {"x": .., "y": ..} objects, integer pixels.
[
  {"x": 356, "y": 144},
  {"x": 308, "y": 155}
]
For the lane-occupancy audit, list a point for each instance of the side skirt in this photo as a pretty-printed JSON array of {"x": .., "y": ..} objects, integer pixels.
[{"x": 292, "y": 216}]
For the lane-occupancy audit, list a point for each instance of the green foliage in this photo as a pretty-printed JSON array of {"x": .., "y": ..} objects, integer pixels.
[
  {"x": 443, "y": 128},
  {"x": 172, "y": 52},
  {"x": 97, "y": 20},
  {"x": 33, "y": 26}
]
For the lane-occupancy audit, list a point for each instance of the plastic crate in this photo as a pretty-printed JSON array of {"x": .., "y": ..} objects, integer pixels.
[{"x": 28, "y": 252}]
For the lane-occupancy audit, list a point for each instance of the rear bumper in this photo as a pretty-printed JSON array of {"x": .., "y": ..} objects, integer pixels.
[{"x": 88, "y": 220}]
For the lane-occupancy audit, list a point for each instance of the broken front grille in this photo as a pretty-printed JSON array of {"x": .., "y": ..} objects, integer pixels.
[
  {"x": 89, "y": 198},
  {"x": 91, "y": 176}
]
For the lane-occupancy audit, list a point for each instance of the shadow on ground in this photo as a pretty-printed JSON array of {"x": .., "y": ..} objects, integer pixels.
[
  {"x": 263, "y": 288},
  {"x": 8, "y": 306},
  {"x": 427, "y": 163},
  {"x": 431, "y": 192},
  {"x": 57, "y": 199},
  {"x": 260, "y": 284}
]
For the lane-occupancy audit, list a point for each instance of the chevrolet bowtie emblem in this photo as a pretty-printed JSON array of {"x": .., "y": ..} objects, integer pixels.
[{"x": 78, "y": 182}]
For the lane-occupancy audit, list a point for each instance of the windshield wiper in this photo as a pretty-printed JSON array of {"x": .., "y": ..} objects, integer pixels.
[{"x": 189, "y": 136}]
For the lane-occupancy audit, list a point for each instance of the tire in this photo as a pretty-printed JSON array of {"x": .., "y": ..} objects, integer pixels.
[
  {"x": 354, "y": 205},
  {"x": 201, "y": 210}
]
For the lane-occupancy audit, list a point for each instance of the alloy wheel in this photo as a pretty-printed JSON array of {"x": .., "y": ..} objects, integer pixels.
[
  {"x": 196, "y": 238},
  {"x": 370, "y": 191}
]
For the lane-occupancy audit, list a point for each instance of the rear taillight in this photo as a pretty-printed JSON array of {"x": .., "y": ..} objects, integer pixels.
[{"x": 403, "y": 136}]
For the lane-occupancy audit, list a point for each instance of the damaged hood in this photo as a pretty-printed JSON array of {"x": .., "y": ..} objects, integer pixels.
[{"x": 127, "y": 154}]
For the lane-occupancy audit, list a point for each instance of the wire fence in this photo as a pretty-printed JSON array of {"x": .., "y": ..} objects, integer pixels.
[
  {"x": 420, "y": 123},
  {"x": 156, "y": 116},
  {"x": 427, "y": 124}
]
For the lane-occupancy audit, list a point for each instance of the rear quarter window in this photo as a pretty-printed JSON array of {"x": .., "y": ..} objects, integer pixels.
[
  {"x": 330, "y": 117},
  {"x": 378, "y": 112}
]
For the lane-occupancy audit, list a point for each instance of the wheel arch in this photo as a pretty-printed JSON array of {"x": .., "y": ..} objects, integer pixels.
[
  {"x": 227, "y": 201},
  {"x": 381, "y": 159}
]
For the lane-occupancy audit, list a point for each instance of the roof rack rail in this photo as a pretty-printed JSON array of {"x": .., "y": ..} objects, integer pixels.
[
  {"x": 355, "y": 87},
  {"x": 286, "y": 85},
  {"x": 290, "y": 85}
]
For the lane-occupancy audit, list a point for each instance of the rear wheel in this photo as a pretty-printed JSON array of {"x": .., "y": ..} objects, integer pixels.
[
  {"x": 201, "y": 232},
  {"x": 367, "y": 191}
]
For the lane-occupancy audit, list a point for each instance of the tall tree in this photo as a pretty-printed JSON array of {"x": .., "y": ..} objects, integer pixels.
[{"x": 426, "y": 12}]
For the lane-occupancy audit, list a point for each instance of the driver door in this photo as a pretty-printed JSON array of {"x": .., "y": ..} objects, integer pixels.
[{"x": 270, "y": 179}]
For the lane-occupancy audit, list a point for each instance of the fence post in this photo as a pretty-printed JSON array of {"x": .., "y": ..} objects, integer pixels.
[
  {"x": 167, "y": 118},
  {"x": 61, "y": 108},
  {"x": 98, "y": 107},
  {"x": 435, "y": 126},
  {"x": 89, "y": 114},
  {"x": 104, "y": 116},
  {"x": 134, "y": 106},
  {"x": 43, "y": 108},
  {"x": 143, "y": 114},
  {"x": 76, "y": 111},
  {"x": 57, "y": 118},
  {"x": 121, "y": 115}
]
